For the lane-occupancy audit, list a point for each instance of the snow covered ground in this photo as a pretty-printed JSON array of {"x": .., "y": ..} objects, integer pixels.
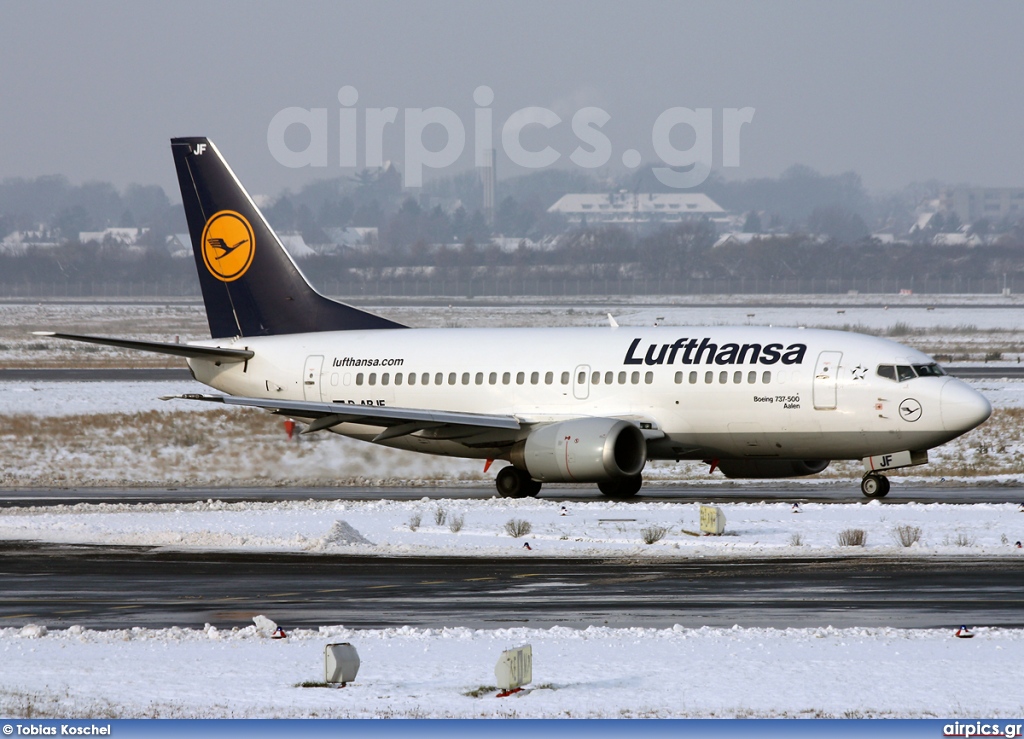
[
  {"x": 962, "y": 327},
  {"x": 587, "y": 672},
  {"x": 469, "y": 528},
  {"x": 111, "y": 433},
  {"x": 577, "y": 673}
]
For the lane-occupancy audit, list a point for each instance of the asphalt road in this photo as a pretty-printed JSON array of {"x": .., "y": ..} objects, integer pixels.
[{"x": 101, "y": 587}]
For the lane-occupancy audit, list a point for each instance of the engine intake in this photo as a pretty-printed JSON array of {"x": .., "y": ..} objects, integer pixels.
[
  {"x": 755, "y": 469},
  {"x": 582, "y": 450}
]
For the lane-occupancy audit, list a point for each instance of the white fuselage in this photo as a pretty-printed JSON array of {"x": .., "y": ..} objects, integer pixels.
[{"x": 697, "y": 392}]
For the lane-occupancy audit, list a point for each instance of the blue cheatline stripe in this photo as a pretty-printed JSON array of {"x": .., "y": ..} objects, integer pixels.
[{"x": 808, "y": 728}]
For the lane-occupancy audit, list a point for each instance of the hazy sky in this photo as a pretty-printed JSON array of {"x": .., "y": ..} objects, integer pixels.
[{"x": 898, "y": 92}]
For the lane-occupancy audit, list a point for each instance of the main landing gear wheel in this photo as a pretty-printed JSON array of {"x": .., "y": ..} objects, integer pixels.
[
  {"x": 515, "y": 483},
  {"x": 625, "y": 487},
  {"x": 874, "y": 486}
]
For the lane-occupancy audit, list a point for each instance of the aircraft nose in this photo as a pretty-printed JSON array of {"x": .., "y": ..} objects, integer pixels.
[{"x": 963, "y": 408}]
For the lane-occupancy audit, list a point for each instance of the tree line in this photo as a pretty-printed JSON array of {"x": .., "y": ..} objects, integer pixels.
[{"x": 681, "y": 251}]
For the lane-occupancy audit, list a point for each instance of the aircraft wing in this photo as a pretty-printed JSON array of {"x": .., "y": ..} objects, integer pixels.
[{"x": 396, "y": 421}]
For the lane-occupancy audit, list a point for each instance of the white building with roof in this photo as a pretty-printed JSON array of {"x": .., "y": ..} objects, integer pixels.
[
  {"x": 295, "y": 245},
  {"x": 625, "y": 208},
  {"x": 124, "y": 236}
]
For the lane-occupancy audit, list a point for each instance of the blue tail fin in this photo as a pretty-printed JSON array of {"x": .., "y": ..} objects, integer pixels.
[{"x": 251, "y": 286}]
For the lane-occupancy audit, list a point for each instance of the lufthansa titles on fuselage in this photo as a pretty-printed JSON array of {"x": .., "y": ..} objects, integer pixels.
[{"x": 702, "y": 351}]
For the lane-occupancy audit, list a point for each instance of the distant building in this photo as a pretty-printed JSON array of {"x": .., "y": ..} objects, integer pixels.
[
  {"x": 972, "y": 204},
  {"x": 18, "y": 242},
  {"x": 124, "y": 236},
  {"x": 737, "y": 238},
  {"x": 511, "y": 244},
  {"x": 636, "y": 208},
  {"x": 958, "y": 238},
  {"x": 295, "y": 245},
  {"x": 350, "y": 237},
  {"x": 179, "y": 246}
]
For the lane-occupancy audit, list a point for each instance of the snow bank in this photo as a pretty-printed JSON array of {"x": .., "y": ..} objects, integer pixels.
[
  {"x": 598, "y": 529},
  {"x": 594, "y": 672}
]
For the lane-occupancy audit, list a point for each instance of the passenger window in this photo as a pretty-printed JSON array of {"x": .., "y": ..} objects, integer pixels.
[
  {"x": 479, "y": 378},
  {"x": 709, "y": 377},
  {"x": 693, "y": 378},
  {"x": 549, "y": 377},
  {"x": 635, "y": 378},
  {"x": 385, "y": 378},
  {"x": 751, "y": 377},
  {"x": 520, "y": 378},
  {"x": 766, "y": 377},
  {"x": 465, "y": 378},
  {"x": 609, "y": 378},
  {"x": 398, "y": 378},
  {"x": 622, "y": 378},
  {"x": 492, "y": 379},
  {"x": 737, "y": 377},
  {"x": 595, "y": 378},
  {"x": 904, "y": 373},
  {"x": 723, "y": 377},
  {"x": 679, "y": 378},
  {"x": 334, "y": 379},
  {"x": 439, "y": 379},
  {"x": 887, "y": 371},
  {"x": 565, "y": 378},
  {"x": 412, "y": 378},
  {"x": 581, "y": 378},
  {"x": 506, "y": 378},
  {"x": 452, "y": 378},
  {"x": 373, "y": 378},
  {"x": 534, "y": 378},
  {"x": 359, "y": 378},
  {"x": 648, "y": 378}
]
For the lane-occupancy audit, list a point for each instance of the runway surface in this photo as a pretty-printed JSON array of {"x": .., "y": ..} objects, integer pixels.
[
  {"x": 100, "y": 587},
  {"x": 838, "y": 492}
]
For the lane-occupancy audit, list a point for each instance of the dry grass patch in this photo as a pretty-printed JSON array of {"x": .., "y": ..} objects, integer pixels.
[
  {"x": 852, "y": 538},
  {"x": 517, "y": 527},
  {"x": 906, "y": 535}
]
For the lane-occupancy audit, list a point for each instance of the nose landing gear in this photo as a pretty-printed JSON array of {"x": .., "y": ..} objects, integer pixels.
[{"x": 874, "y": 485}]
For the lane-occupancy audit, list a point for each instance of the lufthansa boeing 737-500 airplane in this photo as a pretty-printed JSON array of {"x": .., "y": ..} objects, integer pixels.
[{"x": 565, "y": 405}]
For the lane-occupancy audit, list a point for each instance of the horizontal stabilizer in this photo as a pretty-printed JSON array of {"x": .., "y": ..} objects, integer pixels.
[{"x": 177, "y": 350}]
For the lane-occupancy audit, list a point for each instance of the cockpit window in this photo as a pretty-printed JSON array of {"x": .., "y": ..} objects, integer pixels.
[
  {"x": 904, "y": 373},
  {"x": 887, "y": 371},
  {"x": 929, "y": 370}
]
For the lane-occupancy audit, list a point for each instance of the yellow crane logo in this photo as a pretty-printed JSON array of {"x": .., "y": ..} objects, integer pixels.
[{"x": 228, "y": 245}]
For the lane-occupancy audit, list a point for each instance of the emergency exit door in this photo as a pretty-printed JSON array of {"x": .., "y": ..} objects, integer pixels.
[
  {"x": 311, "y": 378},
  {"x": 826, "y": 380}
]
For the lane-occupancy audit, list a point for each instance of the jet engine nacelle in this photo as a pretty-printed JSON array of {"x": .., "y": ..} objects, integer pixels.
[
  {"x": 753, "y": 469},
  {"x": 582, "y": 450}
]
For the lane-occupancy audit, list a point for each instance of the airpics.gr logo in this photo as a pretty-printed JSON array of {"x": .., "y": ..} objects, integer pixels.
[{"x": 228, "y": 245}]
